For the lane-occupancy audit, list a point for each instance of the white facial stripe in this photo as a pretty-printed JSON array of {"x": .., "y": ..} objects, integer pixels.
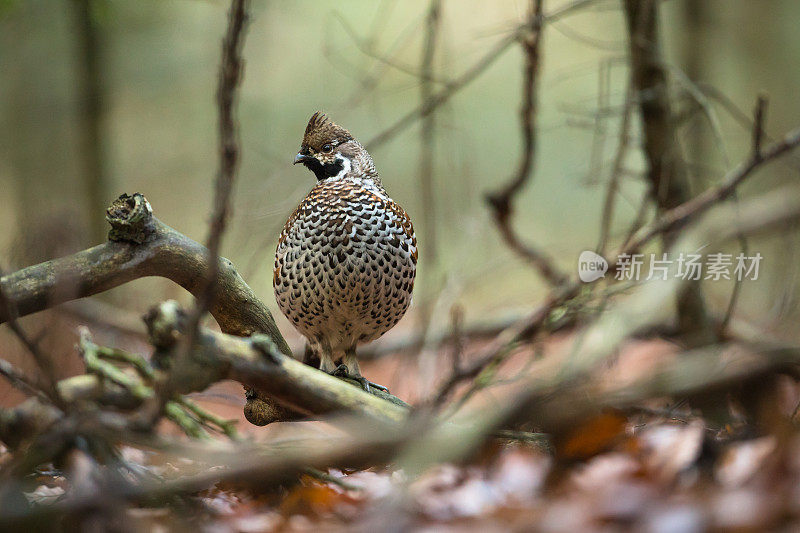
[{"x": 346, "y": 167}]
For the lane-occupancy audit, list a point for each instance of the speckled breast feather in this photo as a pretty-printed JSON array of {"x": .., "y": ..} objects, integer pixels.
[{"x": 345, "y": 263}]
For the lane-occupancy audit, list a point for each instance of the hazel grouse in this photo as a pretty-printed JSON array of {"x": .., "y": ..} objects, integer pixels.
[{"x": 347, "y": 256}]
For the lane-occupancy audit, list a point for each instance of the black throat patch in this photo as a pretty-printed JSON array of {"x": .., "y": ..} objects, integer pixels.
[{"x": 322, "y": 172}]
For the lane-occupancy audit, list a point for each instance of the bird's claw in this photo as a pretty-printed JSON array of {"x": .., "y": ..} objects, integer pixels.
[
  {"x": 342, "y": 371},
  {"x": 366, "y": 384}
]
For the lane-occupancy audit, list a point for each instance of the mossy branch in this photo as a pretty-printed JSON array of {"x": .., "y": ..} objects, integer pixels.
[{"x": 259, "y": 362}]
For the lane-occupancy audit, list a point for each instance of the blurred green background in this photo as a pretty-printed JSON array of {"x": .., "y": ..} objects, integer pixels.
[{"x": 156, "y": 64}]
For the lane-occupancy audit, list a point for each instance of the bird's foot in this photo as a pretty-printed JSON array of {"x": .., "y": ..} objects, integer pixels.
[
  {"x": 342, "y": 371},
  {"x": 366, "y": 384}
]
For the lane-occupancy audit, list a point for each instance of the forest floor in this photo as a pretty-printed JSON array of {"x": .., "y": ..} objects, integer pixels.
[{"x": 661, "y": 467}]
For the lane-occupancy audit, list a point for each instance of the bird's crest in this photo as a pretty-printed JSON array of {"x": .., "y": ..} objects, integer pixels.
[{"x": 321, "y": 130}]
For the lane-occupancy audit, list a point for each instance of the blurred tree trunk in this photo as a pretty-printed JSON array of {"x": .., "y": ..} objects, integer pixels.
[
  {"x": 39, "y": 119},
  {"x": 427, "y": 239},
  {"x": 428, "y": 134},
  {"x": 667, "y": 174},
  {"x": 91, "y": 105},
  {"x": 696, "y": 21}
]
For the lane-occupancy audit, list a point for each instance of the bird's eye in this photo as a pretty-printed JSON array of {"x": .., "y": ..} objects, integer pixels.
[{"x": 327, "y": 148}]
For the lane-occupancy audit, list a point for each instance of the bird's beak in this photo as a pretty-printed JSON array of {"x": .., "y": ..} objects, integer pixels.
[{"x": 301, "y": 158}]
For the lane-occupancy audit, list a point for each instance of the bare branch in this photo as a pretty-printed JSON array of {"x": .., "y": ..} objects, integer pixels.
[
  {"x": 8, "y": 308},
  {"x": 502, "y": 346},
  {"x": 524, "y": 329},
  {"x": 258, "y": 362},
  {"x": 230, "y": 75},
  {"x": 139, "y": 246},
  {"x": 501, "y": 201},
  {"x": 467, "y": 77},
  {"x": 616, "y": 171},
  {"x": 364, "y": 47},
  {"x": 758, "y": 135},
  {"x": 680, "y": 215},
  {"x": 758, "y": 124}
]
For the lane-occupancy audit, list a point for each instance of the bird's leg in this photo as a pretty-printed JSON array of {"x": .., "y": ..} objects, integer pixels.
[
  {"x": 350, "y": 369},
  {"x": 325, "y": 355}
]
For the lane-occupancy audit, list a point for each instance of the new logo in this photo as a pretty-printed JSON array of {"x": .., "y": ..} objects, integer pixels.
[{"x": 591, "y": 266}]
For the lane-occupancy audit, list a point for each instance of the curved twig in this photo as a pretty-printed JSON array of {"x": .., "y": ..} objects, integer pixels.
[{"x": 501, "y": 200}]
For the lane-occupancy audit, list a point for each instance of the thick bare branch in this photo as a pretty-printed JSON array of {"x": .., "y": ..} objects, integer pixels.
[
  {"x": 258, "y": 362},
  {"x": 139, "y": 246}
]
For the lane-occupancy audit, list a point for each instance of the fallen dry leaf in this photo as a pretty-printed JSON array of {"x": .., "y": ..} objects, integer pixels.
[
  {"x": 603, "y": 470},
  {"x": 669, "y": 449},
  {"x": 741, "y": 461},
  {"x": 592, "y": 437},
  {"x": 520, "y": 473},
  {"x": 744, "y": 509},
  {"x": 315, "y": 499}
]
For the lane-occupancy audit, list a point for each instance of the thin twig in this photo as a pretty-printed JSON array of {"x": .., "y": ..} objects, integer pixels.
[
  {"x": 444, "y": 95},
  {"x": 228, "y": 427},
  {"x": 44, "y": 363},
  {"x": 758, "y": 124},
  {"x": 616, "y": 171},
  {"x": 183, "y": 419},
  {"x": 457, "y": 335},
  {"x": 758, "y": 136},
  {"x": 467, "y": 77},
  {"x": 501, "y": 201},
  {"x": 20, "y": 381},
  {"x": 680, "y": 215},
  {"x": 428, "y": 133},
  {"x": 599, "y": 133},
  {"x": 743, "y": 118},
  {"x": 639, "y": 220},
  {"x": 702, "y": 101},
  {"x": 507, "y": 341},
  {"x": 230, "y": 75},
  {"x": 364, "y": 47}
]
